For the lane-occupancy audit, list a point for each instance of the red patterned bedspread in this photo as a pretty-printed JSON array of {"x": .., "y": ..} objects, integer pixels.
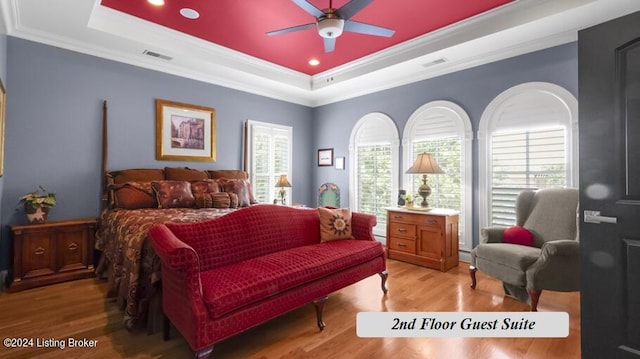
[{"x": 129, "y": 262}]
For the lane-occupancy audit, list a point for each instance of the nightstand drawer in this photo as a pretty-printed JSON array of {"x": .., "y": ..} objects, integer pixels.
[
  {"x": 402, "y": 230},
  {"x": 401, "y": 244},
  {"x": 433, "y": 221}
]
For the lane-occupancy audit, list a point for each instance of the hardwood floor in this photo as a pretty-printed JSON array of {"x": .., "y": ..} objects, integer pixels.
[{"x": 78, "y": 309}]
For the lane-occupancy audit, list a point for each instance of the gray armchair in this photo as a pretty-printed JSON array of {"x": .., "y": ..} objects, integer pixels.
[{"x": 552, "y": 263}]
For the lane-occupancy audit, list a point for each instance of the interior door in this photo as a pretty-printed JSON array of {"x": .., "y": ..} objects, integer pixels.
[{"x": 609, "y": 96}]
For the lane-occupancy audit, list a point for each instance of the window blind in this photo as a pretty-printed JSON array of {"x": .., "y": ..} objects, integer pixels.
[
  {"x": 524, "y": 159},
  {"x": 270, "y": 155}
]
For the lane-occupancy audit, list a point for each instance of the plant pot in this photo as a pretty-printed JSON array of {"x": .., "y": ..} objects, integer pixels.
[{"x": 37, "y": 214}]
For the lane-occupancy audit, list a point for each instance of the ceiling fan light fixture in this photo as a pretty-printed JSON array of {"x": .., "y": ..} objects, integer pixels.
[{"x": 330, "y": 27}]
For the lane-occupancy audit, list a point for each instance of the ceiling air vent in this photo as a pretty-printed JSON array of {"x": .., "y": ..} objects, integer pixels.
[
  {"x": 155, "y": 54},
  {"x": 439, "y": 61}
]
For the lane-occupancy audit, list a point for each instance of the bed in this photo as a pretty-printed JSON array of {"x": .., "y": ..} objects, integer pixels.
[{"x": 135, "y": 199}]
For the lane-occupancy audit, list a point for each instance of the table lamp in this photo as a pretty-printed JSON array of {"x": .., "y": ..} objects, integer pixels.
[
  {"x": 282, "y": 183},
  {"x": 424, "y": 164}
]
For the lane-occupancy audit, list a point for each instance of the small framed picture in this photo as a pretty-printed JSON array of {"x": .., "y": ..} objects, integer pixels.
[
  {"x": 325, "y": 157},
  {"x": 339, "y": 163}
]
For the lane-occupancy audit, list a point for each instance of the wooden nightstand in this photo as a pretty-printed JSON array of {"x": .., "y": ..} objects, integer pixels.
[
  {"x": 52, "y": 252},
  {"x": 429, "y": 239}
]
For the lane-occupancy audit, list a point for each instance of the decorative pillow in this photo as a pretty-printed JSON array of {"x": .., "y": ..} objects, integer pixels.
[
  {"x": 184, "y": 174},
  {"x": 203, "y": 200},
  {"x": 239, "y": 187},
  {"x": 233, "y": 200},
  {"x": 234, "y": 174},
  {"x": 229, "y": 174},
  {"x": 204, "y": 186},
  {"x": 137, "y": 175},
  {"x": 173, "y": 194},
  {"x": 133, "y": 195},
  {"x": 518, "y": 235},
  {"x": 222, "y": 200},
  {"x": 335, "y": 223}
]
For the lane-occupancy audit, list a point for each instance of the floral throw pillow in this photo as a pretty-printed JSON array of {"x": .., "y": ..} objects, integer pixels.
[
  {"x": 173, "y": 194},
  {"x": 335, "y": 223}
]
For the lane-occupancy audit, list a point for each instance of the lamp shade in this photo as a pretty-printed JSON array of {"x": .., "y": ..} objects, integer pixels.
[
  {"x": 425, "y": 163},
  {"x": 283, "y": 181}
]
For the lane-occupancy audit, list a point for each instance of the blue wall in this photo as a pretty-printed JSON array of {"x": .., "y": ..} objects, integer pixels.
[
  {"x": 472, "y": 89},
  {"x": 53, "y": 128},
  {"x": 54, "y": 112}
]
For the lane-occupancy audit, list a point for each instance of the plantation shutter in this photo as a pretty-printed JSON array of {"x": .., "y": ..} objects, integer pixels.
[
  {"x": 437, "y": 133},
  {"x": 269, "y": 156},
  {"x": 524, "y": 159},
  {"x": 374, "y": 169}
]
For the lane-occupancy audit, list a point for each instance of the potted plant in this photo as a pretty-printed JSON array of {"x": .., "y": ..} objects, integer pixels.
[
  {"x": 408, "y": 200},
  {"x": 37, "y": 204}
]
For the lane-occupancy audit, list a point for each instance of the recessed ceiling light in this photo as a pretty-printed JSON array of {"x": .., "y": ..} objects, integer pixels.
[
  {"x": 189, "y": 13},
  {"x": 156, "y": 2},
  {"x": 314, "y": 62}
]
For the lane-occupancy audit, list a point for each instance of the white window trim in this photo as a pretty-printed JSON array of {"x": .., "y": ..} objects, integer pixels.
[
  {"x": 250, "y": 124},
  {"x": 395, "y": 144},
  {"x": 567, "y": 111},
  {"x": 463, "y": 123}
]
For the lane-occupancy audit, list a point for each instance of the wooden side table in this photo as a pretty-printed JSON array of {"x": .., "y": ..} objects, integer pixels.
[
  {"x": 52, "y": 252},
  {"x": 426, "y": 238}
]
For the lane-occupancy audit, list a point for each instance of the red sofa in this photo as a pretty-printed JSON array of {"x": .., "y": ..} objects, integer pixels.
[{"x": 226, "y": 275}]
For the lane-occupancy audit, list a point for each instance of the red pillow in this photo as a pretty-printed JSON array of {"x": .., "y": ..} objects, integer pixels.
[{"x": 518, "y": 235}]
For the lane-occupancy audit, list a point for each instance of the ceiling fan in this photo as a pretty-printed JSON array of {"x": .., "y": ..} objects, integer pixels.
[{"x": 331, "y": 22}]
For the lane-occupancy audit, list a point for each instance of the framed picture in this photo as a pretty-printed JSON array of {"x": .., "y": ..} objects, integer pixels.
[
  {"x": 339, "y": 163},
  {"x": 185, "y": 132},
  {"x": 325, "y": 157},
  {"x": 3, "y": 107}
]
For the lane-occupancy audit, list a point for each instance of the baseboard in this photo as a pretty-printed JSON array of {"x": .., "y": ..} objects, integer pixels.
[{"x": 464, "y": 256}]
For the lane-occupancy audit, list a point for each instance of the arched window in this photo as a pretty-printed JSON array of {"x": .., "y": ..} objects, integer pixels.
[
  {"x": 443, "y": 129},
  {"x": 373, "y": 176},
  {"x": 527, "y": 138}
]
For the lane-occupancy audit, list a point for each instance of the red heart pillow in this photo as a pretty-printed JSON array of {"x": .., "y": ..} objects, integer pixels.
[{"x": 518, "y": 235}]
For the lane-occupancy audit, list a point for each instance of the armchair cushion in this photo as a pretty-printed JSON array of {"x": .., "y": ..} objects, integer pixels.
[
  {"x": 508, "y": 255},
  {"x": 518, "y": 235}
]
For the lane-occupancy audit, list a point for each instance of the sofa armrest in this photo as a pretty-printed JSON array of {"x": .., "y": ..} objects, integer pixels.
[
  {"x": 362, "y": 226},
  {"x": 491, "y": 235},
  {"x": 173, "y": 252},
  {"x": 182, "y": 298}
]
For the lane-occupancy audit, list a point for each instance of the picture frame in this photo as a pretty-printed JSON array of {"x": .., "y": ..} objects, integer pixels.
[
  {"x": 339, "y": 163},
  {"x": 325, "y": 157},
  {"x": 3, "y": 108},
  {"x": 185, "y": 132}
]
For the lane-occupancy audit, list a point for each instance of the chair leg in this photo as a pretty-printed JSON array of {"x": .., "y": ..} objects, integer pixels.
[
  {"x": 535, "y": 296},
  {"x": 472, "y": 273},
  {"x": 319, "y": 304},
  {"x": 203, "y": 353},
  {"x": 384, "y": 275},
  {"x": 166, "y": 327}
]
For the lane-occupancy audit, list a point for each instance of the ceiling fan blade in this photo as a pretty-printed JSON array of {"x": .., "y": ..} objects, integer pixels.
[
  {"x": 309, "y": 8},
  {"x": 329, "y": 44},
  {"x": 367, "y": 29},
  {"x": 291, "y": 29},
  {"x": 351, "y": 8}
]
